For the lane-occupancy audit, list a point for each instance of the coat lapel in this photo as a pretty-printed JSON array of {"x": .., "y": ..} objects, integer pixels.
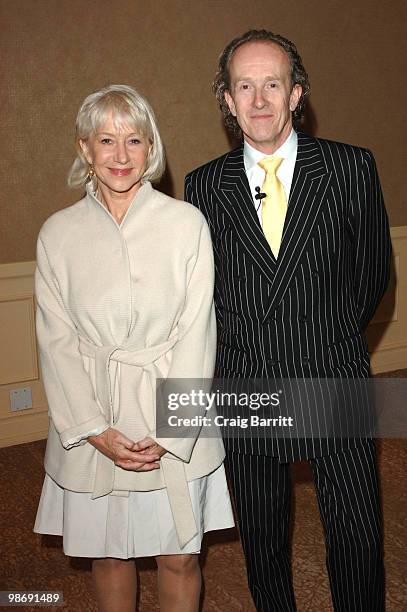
[
  {"x": 310, "y": 182},
  {"x": 234, "y": 193}
]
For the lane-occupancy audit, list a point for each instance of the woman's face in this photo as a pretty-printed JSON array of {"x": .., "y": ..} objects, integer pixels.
[{"x": 118, "y": 155}]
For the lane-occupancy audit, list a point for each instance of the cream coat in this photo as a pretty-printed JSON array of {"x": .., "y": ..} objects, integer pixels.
[{"x": 119, "y": 306}]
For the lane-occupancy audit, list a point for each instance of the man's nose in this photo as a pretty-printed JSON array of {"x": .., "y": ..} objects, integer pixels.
[{"x": 259, "y": 99}]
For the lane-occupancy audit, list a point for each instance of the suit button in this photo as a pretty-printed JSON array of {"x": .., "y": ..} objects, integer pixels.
[
  {"x": 315, "y": 273},
  {"x": 305, "y": 360},
  {"x": 302, "y": 318},
  {"x": 270, "y": 319},
  {"x": 272, "y": 362},
  {"x": 239, "y": 278}
]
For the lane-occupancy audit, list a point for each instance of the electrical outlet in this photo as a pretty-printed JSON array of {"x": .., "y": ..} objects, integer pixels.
[{"x": 21, "y": 399}]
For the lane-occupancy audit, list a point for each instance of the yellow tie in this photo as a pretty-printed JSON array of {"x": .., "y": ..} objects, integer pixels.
[{"x": 274, "y": 205}]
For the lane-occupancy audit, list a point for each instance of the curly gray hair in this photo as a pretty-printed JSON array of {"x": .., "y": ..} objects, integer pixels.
[{"x": 221, "y": 82}]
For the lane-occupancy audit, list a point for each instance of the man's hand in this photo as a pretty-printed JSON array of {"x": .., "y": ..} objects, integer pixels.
[{"x": 124, "y": 452}]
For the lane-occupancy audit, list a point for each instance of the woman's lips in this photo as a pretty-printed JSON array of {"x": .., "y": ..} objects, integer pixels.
[{"x": 120, "y": 171}]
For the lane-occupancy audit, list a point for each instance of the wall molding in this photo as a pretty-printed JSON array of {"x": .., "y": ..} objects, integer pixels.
[
  {"x": 17, "y": 270},
  {"x": 387, "y": 333},
  {"x": 22, "y": 427},
  {"x": 19, "y": 362}
]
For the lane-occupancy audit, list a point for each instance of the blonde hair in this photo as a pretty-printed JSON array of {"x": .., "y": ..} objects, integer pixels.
[{"x": 128, "y": 108}]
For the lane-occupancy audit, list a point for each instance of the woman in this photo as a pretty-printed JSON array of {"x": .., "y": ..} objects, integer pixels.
[{"x": 124, "y": 287}]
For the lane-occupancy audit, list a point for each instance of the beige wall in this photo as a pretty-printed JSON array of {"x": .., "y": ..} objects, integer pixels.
[{"x": 55, "y": 52}]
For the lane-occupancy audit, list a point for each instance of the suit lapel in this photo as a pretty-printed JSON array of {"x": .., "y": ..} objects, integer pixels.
[
  {"x": 309, "y": 185},
  {"x": 234, "y": 193}
]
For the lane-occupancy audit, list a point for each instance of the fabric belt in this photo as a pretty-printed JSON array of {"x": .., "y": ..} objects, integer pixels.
[{"x": 173, "y": 469}]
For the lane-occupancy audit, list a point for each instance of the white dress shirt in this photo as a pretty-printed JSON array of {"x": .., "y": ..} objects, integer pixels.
[{"x": 256, "y": 175}]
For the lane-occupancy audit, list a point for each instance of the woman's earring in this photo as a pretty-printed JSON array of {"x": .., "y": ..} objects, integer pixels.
[{"x": 91, "y": 174}]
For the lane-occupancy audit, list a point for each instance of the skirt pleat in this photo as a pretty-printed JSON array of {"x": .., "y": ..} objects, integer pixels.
[{"x": 138, "y": 525}]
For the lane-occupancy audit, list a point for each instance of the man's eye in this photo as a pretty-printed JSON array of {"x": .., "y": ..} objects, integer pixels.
[{"x": 271, "y": 85}]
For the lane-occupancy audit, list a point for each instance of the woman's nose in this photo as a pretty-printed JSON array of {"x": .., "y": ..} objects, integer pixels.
[{"x": 122, "y": 155}]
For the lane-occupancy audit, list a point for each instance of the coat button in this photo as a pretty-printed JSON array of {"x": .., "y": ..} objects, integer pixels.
[
  {"x": 272, "y": 362},
  {"x": 305, "y": 360},
  {"x": 302, "y": 318}
]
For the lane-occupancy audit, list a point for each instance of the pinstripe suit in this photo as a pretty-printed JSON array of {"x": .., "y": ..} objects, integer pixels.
[{"x": 301, "y": 316}]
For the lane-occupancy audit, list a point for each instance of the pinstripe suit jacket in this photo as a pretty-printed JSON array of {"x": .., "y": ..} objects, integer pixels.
[{"x": 302, "y": 315}]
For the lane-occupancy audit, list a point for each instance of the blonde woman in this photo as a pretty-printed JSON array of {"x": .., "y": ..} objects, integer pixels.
[{"x": 124, "y": 286}]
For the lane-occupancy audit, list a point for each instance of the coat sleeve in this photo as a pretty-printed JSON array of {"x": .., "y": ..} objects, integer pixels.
[
  {"x": 193, "y": 358},
  {"x": 196, "y": 193},
  {"x": 371, "y": 241},
  {"x": 71, "y": 399}
]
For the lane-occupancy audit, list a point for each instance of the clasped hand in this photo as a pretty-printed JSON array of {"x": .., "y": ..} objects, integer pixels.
[{"x": 142, "y": 456}]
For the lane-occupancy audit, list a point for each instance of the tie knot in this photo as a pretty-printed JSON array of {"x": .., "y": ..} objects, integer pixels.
[{"x": 270, "y": 164}]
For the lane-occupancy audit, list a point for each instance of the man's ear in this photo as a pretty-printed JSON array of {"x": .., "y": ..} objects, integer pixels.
[
  {"x": 295, "y": 96},
  {"x": 230, "y": 102},
  {"x": 85, "y": 150}
]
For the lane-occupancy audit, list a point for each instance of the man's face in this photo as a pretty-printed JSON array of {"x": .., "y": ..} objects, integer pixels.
[{"x": 260, "y": 96}]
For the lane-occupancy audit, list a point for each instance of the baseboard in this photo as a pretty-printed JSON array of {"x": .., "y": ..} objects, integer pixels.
[
  {"x": 389, "y": 359},
  {"x": 21, "y": 428}
]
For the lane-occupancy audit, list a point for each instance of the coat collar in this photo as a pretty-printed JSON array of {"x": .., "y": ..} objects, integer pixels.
[
  {"x": 309, "y": 185},
  {"x": 140, "y": 200}
]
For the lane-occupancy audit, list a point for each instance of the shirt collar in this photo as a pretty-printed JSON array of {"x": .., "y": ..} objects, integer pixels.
[{"x": 288, "y": 150}]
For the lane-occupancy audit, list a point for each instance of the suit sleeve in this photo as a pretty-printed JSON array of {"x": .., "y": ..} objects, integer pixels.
[
  {"x": 71, "y": 400},
  {"x": 193, "y": 357},
  {"x": 371, "y": 241},
  {"x": 196, "y": 193}
]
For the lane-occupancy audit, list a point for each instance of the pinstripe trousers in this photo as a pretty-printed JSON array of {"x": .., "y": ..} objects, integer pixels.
[{"x": 349, "y": 503}]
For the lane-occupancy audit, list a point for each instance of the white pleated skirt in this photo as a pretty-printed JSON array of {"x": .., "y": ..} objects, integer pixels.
[{"x": 140, "y": 525}]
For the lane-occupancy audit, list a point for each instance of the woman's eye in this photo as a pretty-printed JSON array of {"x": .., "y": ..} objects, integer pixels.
[
  {"x": 134, "y": 141},
  {"x": 106, "y": 141}
]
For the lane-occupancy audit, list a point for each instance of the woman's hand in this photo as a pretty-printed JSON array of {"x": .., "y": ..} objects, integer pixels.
[
  {"x": 148, "y": 446},
  {"x": 124, "y": 452}
]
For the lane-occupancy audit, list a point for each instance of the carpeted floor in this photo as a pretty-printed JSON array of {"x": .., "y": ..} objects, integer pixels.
[{"x": 29, "y": 561}]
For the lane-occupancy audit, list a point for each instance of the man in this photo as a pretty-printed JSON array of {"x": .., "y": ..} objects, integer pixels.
[{"x": 302, "y": 251}]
